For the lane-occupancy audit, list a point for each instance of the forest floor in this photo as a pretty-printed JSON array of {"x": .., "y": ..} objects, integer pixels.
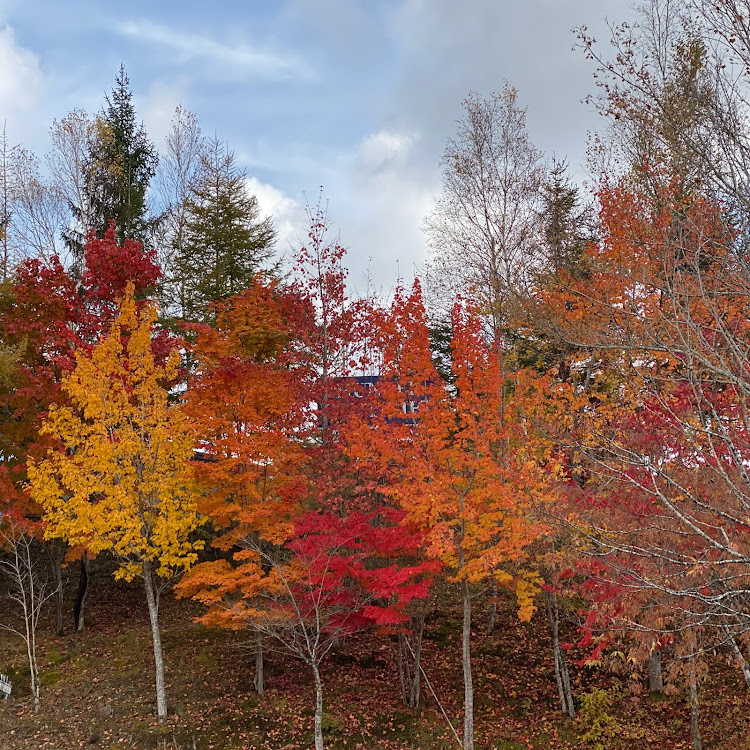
[{"x": 98, "y": 689}]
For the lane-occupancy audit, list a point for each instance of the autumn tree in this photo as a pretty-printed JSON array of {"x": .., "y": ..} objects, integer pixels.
[
  {"x": 71, "y": 138},
  {"x": 311, "y": 561},
  {"x": 659, "y": 431},
  {"x": 32, "y": 210},
  {"x": 48, "y": 316},
  {"x": 450, "y": 459},
  {"x": 120, "y": 482},
  {"x": 246, "y": 411},
  {"x": 40, "y": 212}
]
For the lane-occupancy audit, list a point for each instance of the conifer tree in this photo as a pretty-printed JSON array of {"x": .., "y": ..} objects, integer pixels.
[
  {"x": 225, "y": 241},
  {"x": 121, "y": 162},
  {"x": 565, "y": 222}
]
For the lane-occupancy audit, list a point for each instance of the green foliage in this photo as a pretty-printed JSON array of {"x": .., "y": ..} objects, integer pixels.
[
  {"x": 331, "y": 725},
  {"x": 564, "y": 223},
  {"x": 50, "y": 678},
  {"x": 594, "y": 716},
  {"x": 121, "y": 163},
  {"x": 225, "y": 242}
]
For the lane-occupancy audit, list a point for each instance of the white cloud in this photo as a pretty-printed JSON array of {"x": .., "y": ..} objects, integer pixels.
[
  {"x": 21, "y": 79},
  {"x": 193, "y": 47},
  {"x": 385, "y": 149},
  {"x": 288, "y": 215},
  {"x": 387, "y": 241}
]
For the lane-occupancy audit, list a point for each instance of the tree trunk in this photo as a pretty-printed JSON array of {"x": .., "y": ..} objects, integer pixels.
[
  {"x": 562, "y": 676},
  {"x": 259, "y": 682},
  {"x": 466, "y": 655},
  {"x": 410, "y": 664},
  {"x": 415, "y": 695},
  {"x": 36, "y": 683},
  {"x": 83, "y": 586},
  {"x": 694, "y": 727},
  {"x": 318, "y": 708},
  {"x": 153, "y": 611},
  {"x": 403, "y": 666},
  {"x": 493, "y": 610},
  {"x": 655, "y": 679},
  {"x": 37, "y": 688},
  {"x": 739, "y": 656}
]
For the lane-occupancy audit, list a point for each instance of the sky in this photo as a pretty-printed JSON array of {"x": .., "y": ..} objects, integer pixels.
[{"x": 354, "y": 97}]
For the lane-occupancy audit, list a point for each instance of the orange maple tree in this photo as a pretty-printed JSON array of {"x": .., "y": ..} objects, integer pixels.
[
  {"x": 452, "y": 457},
  {"x": 309, "y": 560}
]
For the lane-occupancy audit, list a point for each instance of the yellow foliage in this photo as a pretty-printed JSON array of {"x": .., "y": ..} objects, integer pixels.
[
  {"x": 528, "y": 586},
  {"x": 121, "y": 482}
]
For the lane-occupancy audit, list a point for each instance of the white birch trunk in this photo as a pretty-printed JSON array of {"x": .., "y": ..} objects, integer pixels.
[
  {"x": 562, "y": 676},
  {"x": 318, "y": 708},
  {"x": 694, "y": 707},
  {"x": 468, "y": 684},
  {"x": 153, "y": 611}
]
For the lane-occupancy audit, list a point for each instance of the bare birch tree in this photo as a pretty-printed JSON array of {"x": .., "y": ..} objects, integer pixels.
[
  {"x": 6, "y": 213},
  {"x": 40, "y": 213},
  {"x": 178, "y": 170},
  {"x": 71, "y": 139},
  {"x": 22, "y": 566},
  {"x": 484, "y": 232}
]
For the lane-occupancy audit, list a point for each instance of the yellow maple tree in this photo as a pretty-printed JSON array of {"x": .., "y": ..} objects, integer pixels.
[{"x": 121, "y": 482}]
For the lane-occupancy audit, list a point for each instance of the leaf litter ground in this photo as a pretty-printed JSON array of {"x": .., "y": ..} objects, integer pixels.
[{"x": 98, "y": 689}]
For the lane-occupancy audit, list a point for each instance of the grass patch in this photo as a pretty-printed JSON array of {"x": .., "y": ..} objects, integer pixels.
[{"x": 50, "y": 678}]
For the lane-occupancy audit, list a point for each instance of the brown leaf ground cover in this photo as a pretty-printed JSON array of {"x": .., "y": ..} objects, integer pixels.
[{"x": 98, "y": 690}]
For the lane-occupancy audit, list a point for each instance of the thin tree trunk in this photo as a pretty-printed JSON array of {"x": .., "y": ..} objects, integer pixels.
[
  {"x": 655, "y": 679},
  {"x": 493, "y": 610},
  {"x": 153, "y": 611},
  {"x": 566, "y": 683},
  {"x": 562, "y": 676},
  {"x": 30, "y": 618},
  {"x": 318, "y": 708},
  {"x": 36, "y": 684},
  {"x": 402, "y": 665},
  {"x": 83, "y": 586},
  {"x": 408, "y": 655},
  {"x": 466, "y": 655},
  {"x": 739, "y": 656},
  {"x": 259, "y": 682},
  {"x": 25, "y": 570},
  {"x": 416, "y": 683},
  {"x": 694, "y": 708}
]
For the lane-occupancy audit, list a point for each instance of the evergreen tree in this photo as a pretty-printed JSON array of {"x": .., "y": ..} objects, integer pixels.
[
  {"x": 565, "y": 223},
  {"x": 225, "y": 242},
  {"x": 121, "y": 162}
]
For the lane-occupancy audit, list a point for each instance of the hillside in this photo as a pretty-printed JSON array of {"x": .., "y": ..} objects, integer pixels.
[{"x": 98, "y": 689}]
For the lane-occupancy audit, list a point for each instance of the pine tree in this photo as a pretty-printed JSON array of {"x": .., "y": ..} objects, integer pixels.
[
  {"x": 225, "y": 243},
  {"x": 564, "y": 221},
  {"x": 121, "y": 162}
]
